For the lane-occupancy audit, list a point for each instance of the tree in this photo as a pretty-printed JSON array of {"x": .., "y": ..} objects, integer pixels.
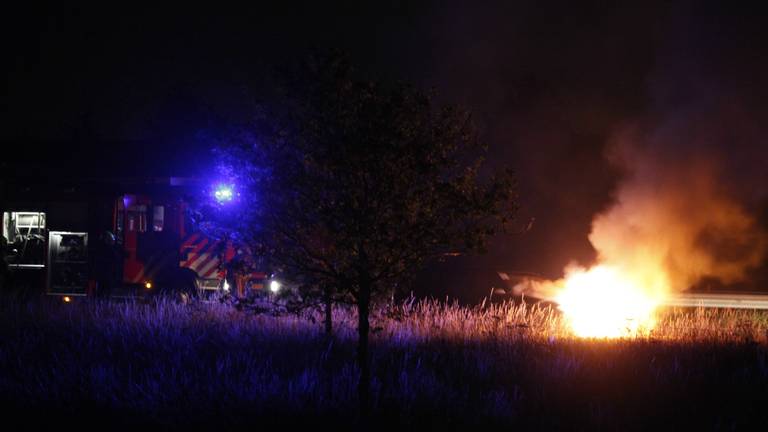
[{"x": 350, "y": 185}]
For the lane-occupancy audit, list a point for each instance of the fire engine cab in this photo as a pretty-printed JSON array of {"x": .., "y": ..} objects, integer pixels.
[{"x": 116, "y": 237}]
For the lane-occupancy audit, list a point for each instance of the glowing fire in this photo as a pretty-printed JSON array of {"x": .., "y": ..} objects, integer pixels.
[
  {"x": 603, "y": 302},
  {"x": 672, "y": 223}
]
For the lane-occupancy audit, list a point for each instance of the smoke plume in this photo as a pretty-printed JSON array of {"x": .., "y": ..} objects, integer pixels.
[{"x": 674, "y": 220}]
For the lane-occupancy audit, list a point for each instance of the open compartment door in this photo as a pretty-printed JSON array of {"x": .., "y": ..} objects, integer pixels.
[{"x": 67, "y": 262}]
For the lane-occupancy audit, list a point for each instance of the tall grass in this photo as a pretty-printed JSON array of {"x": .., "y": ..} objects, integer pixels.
[{"x": 434, "y": 363}]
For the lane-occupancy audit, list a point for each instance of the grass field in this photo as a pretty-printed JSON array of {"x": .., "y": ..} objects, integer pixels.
[{"x": 435, "y": 365}]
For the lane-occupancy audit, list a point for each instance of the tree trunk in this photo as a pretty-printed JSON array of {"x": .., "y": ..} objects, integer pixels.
[
  {"x": 327, "y": 375},
  {"x": 328, "y": 311},
  {"x": 364, "y": 385}
]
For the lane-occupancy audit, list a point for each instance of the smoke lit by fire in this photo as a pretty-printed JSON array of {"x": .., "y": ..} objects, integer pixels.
[{"x": 671, "y": 224}]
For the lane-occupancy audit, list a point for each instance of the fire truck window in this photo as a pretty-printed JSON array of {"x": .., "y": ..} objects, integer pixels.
[
  {"x": 158, "y": 216},
  {"x": 137, "y": 218}
]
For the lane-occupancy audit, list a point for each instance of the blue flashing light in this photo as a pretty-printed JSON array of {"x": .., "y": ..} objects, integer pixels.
[{"x": 224, "y": 193}]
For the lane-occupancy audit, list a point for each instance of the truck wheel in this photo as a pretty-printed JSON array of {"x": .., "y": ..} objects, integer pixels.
[{"x": 188, "y": 284}]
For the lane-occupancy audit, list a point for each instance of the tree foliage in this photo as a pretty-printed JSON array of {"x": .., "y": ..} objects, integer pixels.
[
  {"x": 351, "y": 184},
  {"x": 352, "y": 179}
]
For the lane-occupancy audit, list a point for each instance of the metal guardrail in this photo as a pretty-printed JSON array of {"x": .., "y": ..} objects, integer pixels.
[
  {"x": 720, "y": 300},
  {"x": 26, "y": 266}
]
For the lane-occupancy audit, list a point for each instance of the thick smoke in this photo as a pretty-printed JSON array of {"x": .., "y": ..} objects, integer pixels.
[
  {"x": 675, "y": 219},
  {"x": 694, "y": 181}
]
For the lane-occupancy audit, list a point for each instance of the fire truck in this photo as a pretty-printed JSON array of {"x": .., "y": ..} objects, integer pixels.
[{"x": 119, "y": 237}]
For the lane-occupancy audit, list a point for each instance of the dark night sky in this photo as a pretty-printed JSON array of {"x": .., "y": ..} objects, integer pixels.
[{"x": 550, "y": 83}]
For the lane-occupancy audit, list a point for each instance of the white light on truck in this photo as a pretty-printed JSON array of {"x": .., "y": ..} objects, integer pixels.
[{"x": 274, "y": 286}]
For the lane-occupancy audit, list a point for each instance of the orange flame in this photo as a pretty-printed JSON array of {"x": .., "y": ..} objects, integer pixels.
[
  {"x": 604, "y": 302},
  {"x": 670, "y": 226}
]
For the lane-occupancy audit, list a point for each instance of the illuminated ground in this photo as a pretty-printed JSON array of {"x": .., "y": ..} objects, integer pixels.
[{"x": 434, "y": 366}]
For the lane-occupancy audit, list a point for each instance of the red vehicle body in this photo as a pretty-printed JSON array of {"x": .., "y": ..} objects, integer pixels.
[
  {"x": 157, "y": 237},
  {"x": 134, "y": 236}
]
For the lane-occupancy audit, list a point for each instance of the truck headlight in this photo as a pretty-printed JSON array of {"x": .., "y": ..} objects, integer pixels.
[{"x": 274, "y": 286}]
